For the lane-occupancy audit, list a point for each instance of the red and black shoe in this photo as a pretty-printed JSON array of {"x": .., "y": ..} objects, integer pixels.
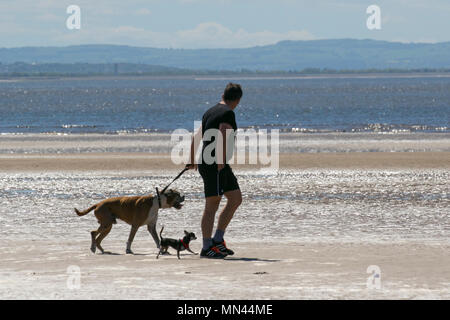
[
  {"x": 212, "y": 253},
  {"x": 222, "y": 246}
]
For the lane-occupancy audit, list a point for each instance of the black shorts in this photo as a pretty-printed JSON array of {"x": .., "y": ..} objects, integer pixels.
[{"x": 217, "y": 183}]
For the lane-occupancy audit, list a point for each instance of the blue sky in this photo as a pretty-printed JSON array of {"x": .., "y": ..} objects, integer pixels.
[{"x": 218, "y": 23}]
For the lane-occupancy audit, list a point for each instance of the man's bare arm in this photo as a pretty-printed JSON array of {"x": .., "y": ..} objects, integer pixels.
[
  {"x": 195, "y": 142},
  {"x": 223, "y": 127}
]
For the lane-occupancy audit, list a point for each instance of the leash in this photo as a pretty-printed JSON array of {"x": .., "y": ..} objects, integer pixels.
[
  {"x": 176, "y": 178},
  {"x": 163, "y": 190}
]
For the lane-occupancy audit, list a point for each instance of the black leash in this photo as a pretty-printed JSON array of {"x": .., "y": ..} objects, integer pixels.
[{"x": 176, "y": 178}]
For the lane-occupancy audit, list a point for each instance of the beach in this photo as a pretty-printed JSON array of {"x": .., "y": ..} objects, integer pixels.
[
  {"x": 272, "y": 271},
  {"x": 352, "y": 204},
  {"x": 310, "y": 230}
]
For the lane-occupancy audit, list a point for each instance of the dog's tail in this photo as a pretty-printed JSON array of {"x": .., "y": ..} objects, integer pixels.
[
  {"x": 85, "y": 212},
  {"x": 160, "y": 233}
]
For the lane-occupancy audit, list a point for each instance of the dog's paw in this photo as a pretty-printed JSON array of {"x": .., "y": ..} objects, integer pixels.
[{"x": 128, "y": 251}]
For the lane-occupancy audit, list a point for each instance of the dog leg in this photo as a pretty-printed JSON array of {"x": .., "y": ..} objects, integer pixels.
[
  {"x": 93, "y": 235},
  {"x": 103, "y": 230},
  {"x": 106, "y": 219},
  {"x": 152, "y": 229},
  {"x": 191, "y": 251},
  {"x": 133, "y": 231},
  {"x": 163, "y": 251}
]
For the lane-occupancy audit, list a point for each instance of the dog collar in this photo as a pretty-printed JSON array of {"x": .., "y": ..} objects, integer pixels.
[{"x": 186, "y": 246}]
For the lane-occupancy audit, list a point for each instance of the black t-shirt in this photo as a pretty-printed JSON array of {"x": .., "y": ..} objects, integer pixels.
[{"x": 212, "y": 119}]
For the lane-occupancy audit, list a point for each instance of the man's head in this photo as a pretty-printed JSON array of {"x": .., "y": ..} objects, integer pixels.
[{"x": 232, "y": 95}]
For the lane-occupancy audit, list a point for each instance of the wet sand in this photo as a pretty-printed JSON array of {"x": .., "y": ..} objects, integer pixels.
[
  {"x": 143, "y": 161},
  {"x": 40, "y": 264}
]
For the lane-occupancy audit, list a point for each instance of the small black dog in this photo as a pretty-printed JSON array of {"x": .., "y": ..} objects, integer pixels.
[{"x": 179, "y": 245}]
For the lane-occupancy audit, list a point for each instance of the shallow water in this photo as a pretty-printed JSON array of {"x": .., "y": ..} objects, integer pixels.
[
  {"x": 164, "y": 143},
  {"x": 296, "y": 205}
]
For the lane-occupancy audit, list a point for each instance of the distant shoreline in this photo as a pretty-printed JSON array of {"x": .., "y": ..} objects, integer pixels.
[{"x": 236, "y": 76}]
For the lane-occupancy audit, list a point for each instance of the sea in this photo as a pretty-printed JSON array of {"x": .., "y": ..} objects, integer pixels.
[{"x": 314, "y": 104}]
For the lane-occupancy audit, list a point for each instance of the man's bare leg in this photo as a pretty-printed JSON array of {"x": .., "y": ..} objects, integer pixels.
[
  {"x": 234, "y": 200},
  {"x": 211, "y": 206}
]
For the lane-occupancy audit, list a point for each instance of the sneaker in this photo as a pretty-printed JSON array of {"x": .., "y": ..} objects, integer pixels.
[
  {"x": 212, "y": 253},
  {"x": 222, "y": 246}
]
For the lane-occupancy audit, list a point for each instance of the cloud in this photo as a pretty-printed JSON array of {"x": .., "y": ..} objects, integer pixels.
[
  {"x": 143, "y": 12},
  {"x": 215, "y": 35}
]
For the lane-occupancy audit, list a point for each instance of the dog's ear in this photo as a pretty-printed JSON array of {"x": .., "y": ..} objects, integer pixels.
[{"x": 186, "y": 232}]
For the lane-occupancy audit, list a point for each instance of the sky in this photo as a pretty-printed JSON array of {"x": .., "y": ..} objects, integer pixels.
[{"x": 194, "y": 24}]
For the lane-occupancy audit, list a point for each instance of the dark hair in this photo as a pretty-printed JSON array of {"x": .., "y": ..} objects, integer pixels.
[{"x": 232, "y": 92}]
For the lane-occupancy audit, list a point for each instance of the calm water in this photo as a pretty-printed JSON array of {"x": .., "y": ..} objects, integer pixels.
[
  {"x": 162, "y": 105},
  {"x": 308, "y": 206}
]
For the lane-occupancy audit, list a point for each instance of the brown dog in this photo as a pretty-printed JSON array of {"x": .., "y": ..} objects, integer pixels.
[{"x": 136, "y": 211}]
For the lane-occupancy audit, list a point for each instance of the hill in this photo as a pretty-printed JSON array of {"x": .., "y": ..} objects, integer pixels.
[{"x": 339, "y": 54}]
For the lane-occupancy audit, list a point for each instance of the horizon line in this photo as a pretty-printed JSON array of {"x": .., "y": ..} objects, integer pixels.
[{"x": 236, "y": 48}]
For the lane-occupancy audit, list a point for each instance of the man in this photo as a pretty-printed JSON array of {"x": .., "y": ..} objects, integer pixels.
[{"x": 218, "y": 178}]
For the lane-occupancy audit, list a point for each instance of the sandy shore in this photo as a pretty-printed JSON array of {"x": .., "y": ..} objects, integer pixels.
[
  {"x": 43, "y": 270},
  {"x": 143, "y": 161},
  {"x": 354, "y": 220}
]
